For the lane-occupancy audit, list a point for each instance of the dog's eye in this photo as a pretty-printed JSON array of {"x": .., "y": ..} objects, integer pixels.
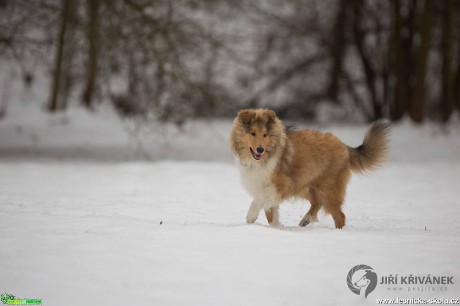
[
  {"x": 253, "y": 134},
  {"x": 265, "y": 135}
]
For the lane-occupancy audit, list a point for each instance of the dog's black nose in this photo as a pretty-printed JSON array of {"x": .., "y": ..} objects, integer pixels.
[{"x": 260, "y": 150}]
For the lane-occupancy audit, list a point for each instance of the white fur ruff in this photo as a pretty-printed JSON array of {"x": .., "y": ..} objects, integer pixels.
[{"x": 256, "y": 179}]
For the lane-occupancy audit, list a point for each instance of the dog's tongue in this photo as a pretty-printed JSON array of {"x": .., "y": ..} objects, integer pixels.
[{"x": 255, "y": 155}]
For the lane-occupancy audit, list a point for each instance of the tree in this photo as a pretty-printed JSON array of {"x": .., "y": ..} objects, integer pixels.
[
  {"x": 62, "y": 72},
  {"x": 94, "y": 44},
  {"x": 417, "y": 102}
]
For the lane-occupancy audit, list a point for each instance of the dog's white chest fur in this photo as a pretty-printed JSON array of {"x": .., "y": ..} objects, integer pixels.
[{"x": 257, "y": 181}]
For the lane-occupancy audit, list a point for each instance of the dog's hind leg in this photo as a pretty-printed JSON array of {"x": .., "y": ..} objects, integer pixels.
[
  {"x": 332, "y": 203},
  {"x": 312, "y": 214},
  {"x": 333, "y": 200},
  {"x": 272, "y": 215},
  {"x": 339, "y": 218}
]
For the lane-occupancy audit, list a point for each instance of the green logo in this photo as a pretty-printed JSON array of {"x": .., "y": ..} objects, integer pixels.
[{"x": 10, "y": 299}]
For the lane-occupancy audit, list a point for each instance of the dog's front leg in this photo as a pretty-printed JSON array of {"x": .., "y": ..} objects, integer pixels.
[{"x": 253, "y": 211}]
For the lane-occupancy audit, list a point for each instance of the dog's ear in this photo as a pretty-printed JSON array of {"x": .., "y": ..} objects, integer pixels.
[
  {"x": 269, "y": 116},
  {"x": 246, "y": 115}
]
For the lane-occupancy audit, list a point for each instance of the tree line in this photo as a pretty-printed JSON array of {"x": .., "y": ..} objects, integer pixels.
[{"x": 171, "y": 60}]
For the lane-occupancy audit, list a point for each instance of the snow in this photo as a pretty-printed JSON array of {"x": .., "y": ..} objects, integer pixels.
[{"x": 85, "y": 222}]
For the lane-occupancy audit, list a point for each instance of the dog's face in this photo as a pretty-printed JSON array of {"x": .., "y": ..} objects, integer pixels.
[{"x": 255, "y": 134}]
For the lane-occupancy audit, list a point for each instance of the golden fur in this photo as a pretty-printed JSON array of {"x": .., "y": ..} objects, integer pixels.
[{"x": 277, "y": 164}]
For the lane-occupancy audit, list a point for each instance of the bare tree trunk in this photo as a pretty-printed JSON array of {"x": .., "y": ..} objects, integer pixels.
[
  {"x": 417, "y": 105},
  {"x": 447, "y": 93},
  {"x": 55, "y": 101},
  {"x": 337, "y": 49},
  {"x": 456, "y": 84},
  {"x": 400, "y": 64},
  {"x": 369, "y": 72},
  {"x": 457, "y": 79},
  {"x": 93, "y": 51}
]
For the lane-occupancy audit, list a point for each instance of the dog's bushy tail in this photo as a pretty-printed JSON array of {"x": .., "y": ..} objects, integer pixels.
[{"x": 373, "y": 151}]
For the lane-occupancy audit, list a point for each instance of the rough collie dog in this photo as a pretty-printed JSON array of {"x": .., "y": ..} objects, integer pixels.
[{"x": 278, "y": 163}]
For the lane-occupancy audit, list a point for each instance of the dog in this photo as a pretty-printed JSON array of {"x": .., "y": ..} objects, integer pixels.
[{"x": 277, "y": 163}]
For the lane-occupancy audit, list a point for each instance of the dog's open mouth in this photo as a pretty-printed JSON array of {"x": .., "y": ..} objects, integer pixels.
[{"x": 255, "y": 155}]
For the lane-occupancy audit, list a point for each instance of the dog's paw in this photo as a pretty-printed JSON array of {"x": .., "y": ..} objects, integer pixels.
[
  {"x": 304, "y": 222},
  {"x": 251, "y": 217},
  {"x": 307, "y": 220}
]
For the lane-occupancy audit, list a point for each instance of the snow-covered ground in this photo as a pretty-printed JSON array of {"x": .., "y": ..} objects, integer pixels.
[{"x": 85, "y": 222}]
